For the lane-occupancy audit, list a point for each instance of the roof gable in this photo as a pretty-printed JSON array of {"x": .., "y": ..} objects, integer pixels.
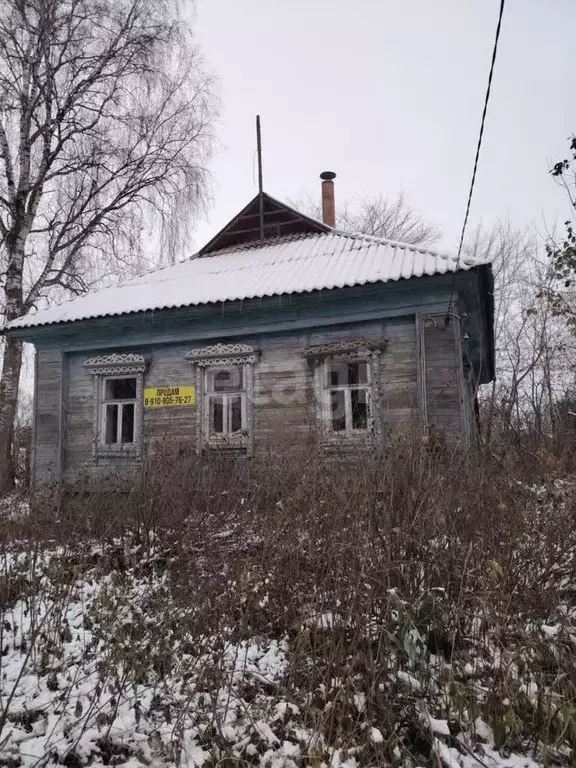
[{"x": 279, "y": 219}]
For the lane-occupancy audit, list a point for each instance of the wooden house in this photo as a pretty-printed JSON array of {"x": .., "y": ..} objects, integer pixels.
[{"x": 281, "y": 330}]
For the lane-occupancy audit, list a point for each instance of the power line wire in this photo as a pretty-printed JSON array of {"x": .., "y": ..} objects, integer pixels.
[{"x": 479, "y": 145}]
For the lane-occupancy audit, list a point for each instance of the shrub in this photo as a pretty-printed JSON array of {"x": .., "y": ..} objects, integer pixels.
[{"x": 421, "y": 595}]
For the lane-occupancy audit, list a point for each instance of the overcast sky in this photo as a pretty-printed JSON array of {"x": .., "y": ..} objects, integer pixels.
[{"x": 389, "y": 94}]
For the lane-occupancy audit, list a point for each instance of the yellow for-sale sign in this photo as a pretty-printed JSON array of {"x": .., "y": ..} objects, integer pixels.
[{"x": 159, "y": 397}]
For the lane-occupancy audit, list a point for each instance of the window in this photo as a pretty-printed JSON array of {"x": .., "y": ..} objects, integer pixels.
[
  {"x": 347, "y": 396},
  {"x": 225, "y": 381},
  {"x": 118, "y": 411},
  {"x": 226, "y": 401},
  {"x": 345, "y": 372},
  {"x": 118, "y": 402}
]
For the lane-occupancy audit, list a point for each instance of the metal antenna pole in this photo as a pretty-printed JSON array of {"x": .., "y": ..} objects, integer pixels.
[{"x": 260, "y": 179}]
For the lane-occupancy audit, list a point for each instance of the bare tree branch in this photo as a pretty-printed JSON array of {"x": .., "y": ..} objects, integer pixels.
[
  {"x": 534, "y": 349},
  {"x": 106, "y": 119},
  {"x": 379, "y": 217}
]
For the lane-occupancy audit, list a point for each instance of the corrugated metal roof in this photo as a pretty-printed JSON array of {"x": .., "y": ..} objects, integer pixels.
[{"x": 294, "y": 264}]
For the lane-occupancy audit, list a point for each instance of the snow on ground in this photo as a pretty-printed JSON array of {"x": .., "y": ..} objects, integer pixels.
[
  {"x": 96, "y": 669},
  {"x": 14, "y": 506},
  {"x": 66, "y": 696}
]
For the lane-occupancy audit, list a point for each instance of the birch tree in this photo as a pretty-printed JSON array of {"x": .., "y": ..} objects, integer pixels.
[{"x": 105, "y": 121}]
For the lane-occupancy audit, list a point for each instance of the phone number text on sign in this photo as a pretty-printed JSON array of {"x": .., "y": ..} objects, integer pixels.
[{"x": 158, "y": 397}]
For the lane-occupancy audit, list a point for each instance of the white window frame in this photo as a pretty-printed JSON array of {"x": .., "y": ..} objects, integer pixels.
[
  {"x": 328, "y": 388},
  {"x": 354, "y": 349},
  {"x": 218, "y": 356},
  {"x": 226, "y": 436},
  {"x": 105, "y": 402},
  {"x": 105, "y": 368}
]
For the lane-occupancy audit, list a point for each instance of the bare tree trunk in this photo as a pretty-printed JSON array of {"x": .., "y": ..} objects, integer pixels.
[
  {"x": 12, "y": 362},
  {"x": 490, "y": 414},
  {"x": 105, "y": 118},
  {"x": 9, "y": 383}
]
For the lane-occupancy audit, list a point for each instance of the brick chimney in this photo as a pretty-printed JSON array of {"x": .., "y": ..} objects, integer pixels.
[{"x": 328, "y": 207}]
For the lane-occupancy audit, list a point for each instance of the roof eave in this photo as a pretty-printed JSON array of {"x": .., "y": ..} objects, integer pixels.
[
  {"x": 31, "y": 332},
  {"x": 486, "y": 277}
]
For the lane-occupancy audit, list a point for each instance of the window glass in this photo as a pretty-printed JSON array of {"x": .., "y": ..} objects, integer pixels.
[
  {"x": 120, "y": 389},
  {"x": 127, "y": 423},
  {"x": 347, "y": 395},
  {"x": 338, "y": 374},
  {"x": 345, "y": 374},
  {"x": 224, "y": 403},
  {"x": 357, "y": 373},
  {"x": 338, "y": 410},
  {"x": 235, "y": 413},
  {"x": 225, "y": 379},
  {"x": 216, "y": 415},
  {"x": 111, "y": 425},
  {"x": 119, "y": 411},
  {"x": 359, "y": 400}
]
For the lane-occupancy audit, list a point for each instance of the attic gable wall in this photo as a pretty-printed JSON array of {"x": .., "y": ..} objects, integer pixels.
[{"x": 279, "y": 220}]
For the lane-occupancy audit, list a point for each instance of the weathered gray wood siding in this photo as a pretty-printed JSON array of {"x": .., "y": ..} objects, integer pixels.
[
  {"x": 171, "y": 426},
  {"x": 419, "y": 377},
  {"x": 399, "y": 376},
  {"x": 176, "y": 426},
  {"x": 284, "y": 407},
  {"x": 448, "y": 407},
  {"x": 284, "y": 398},
  {"x": 50, "y": 383},
  {"x": 283, "y": 393}
]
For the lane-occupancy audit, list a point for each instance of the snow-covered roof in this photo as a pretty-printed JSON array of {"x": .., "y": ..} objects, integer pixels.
[{"x": 290, "y": 264}]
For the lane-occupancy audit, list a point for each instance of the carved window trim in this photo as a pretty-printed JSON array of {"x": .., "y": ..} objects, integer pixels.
[
  {"x": 224, "y": 356},
  {"x": 346, "y": 349},
  {"x": 221, "y": 355},
  {"x": 112, "y": 364},
  {"x": 117, "y": 366}
]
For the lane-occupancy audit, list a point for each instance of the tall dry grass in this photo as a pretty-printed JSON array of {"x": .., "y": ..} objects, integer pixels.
[{"x": 410, "y": 585}]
